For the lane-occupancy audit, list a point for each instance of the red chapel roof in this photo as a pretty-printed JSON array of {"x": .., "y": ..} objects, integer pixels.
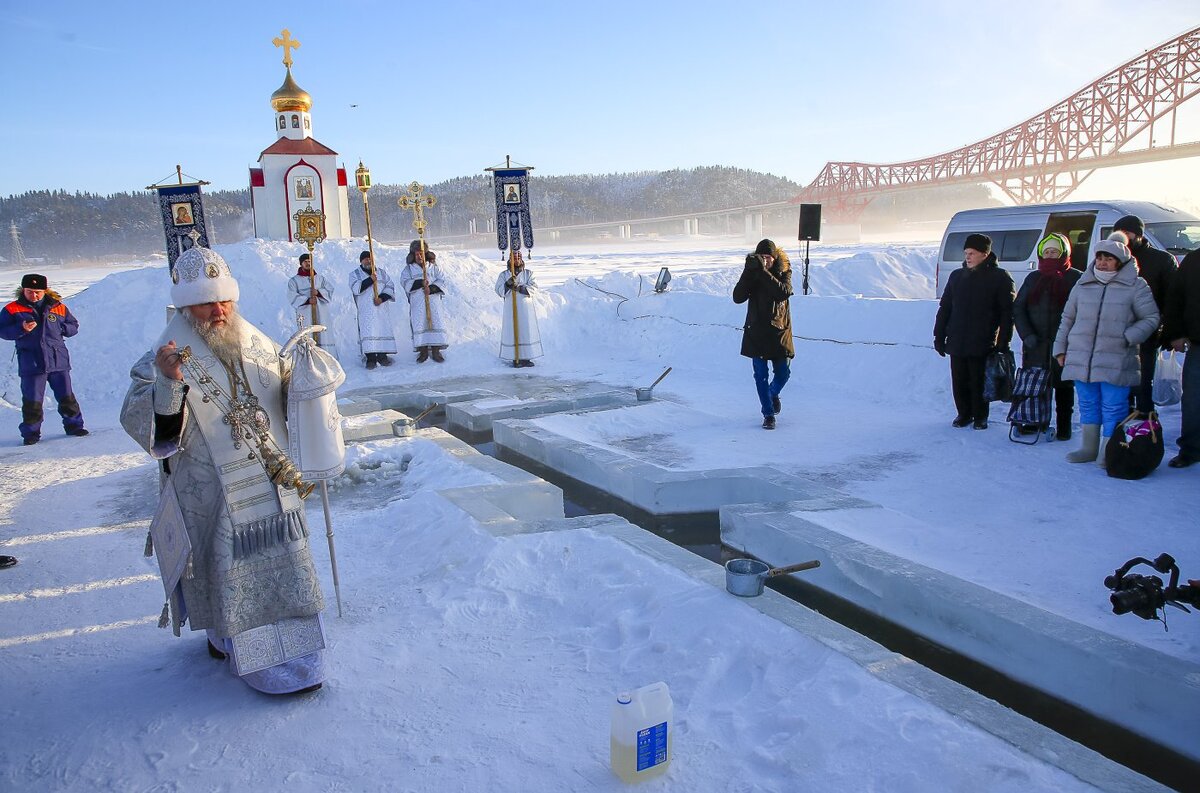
[{"x": 308, "y": 146}]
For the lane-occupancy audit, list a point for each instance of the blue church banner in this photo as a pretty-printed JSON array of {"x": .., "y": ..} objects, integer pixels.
[
  {"x": 182, "y": 211},
  {"x": 514, "y": 226}
]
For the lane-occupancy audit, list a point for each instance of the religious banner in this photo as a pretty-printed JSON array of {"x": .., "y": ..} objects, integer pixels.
[
  {"x": 514, "y": 226},
  {"x": 182, "y": 210}
]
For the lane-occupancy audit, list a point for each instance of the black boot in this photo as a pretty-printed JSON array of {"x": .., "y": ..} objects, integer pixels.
[
  {"x": 423, "y": 355},
  {"x": 1062, "y": 427},
  {"x": 371, "y": 362}
]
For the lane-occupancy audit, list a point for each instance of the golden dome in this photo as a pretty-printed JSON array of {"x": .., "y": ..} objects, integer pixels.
[{"x": 290, "y": 96}]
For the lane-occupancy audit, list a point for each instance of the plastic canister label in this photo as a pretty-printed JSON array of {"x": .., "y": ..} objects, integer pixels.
[{"x": 651, "y": 746}]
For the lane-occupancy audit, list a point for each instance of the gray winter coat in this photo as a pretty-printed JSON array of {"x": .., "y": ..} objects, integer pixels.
[{"x": 1102, "y": 326}]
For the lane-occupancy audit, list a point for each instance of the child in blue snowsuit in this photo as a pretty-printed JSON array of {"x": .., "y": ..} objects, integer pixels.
[{"x": 39, "y": 322}]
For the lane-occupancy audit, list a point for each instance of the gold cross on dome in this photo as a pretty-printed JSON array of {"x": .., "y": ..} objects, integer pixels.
[{"x": 288, "y": 43}]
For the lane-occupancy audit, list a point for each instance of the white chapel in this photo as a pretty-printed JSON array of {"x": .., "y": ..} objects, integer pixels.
[{"x": 296, "y": 171}]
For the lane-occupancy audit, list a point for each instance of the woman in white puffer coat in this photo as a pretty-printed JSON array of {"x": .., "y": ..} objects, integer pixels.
[{"x": 1109, "y": 313}]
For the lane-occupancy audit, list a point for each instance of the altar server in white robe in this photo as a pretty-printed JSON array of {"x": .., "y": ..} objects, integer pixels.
[
  {"x": 304, "y": 292},
  {"x": 515, "y": 284},
  {"x": 376, "y": 336},
  {"x": 425, "y": 292},
  {"x": 208, "y": 401}
]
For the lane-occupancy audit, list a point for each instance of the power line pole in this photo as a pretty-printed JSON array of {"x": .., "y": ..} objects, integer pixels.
[{"x": 16, "y": 252}]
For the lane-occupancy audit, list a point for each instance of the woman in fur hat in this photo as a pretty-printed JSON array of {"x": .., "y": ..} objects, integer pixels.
[{"x": 1108, "y": 314}]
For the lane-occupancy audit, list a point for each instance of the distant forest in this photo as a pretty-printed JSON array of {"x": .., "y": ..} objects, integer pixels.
[{"x": 58, "y": 225}]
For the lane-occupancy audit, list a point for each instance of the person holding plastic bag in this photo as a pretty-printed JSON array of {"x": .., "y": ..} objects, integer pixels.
[{"x": 1107, "y": 315}]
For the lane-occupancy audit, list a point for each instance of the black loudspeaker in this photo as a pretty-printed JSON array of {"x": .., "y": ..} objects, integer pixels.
[{"x": 810, "y": 222}]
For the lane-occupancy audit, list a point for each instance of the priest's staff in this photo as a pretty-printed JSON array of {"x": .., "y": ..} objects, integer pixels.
[
  {"x": 362, "y": 179},
  {"x": 416, "y": 200},
  {"x": 512, "y": 270},
  {"x": 337, "y": 589}
]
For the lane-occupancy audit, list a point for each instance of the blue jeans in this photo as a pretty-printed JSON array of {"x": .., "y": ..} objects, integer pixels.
[
  {"x": 1102, "y": 403},
  {"x": 1189, "y": 435},
  {"x": 767, "y": 391}
]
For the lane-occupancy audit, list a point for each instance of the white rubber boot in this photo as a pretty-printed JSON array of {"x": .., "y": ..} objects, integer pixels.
[
  {"x": 1090, "y": 448},
  {"x": 1100, "y": 461}
]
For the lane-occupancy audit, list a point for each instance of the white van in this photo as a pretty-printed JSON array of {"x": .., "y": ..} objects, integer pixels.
[{"x": 1015, "y": 232}]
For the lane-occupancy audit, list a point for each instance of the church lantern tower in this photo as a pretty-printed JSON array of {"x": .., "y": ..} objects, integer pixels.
[{"x": 296, "y": 171}]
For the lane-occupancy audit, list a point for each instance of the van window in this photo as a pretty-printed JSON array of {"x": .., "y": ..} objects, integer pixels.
[
  {"x": 1018, "y": 245},
  {"x": 1179, "y": 238},
  {"x": 1009, "y": 246}
]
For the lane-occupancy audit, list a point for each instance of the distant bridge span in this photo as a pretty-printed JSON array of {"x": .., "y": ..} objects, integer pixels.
[{"x": 1044, "y": 158}]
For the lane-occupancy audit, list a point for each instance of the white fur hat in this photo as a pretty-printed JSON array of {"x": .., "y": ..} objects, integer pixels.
[{"x": 202, "y": 276}]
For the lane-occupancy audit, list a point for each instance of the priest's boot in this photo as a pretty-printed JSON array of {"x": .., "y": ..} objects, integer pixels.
[
  {"x": 1089, "y": 447},
  {"x": 437, "y": 355},
  {"x": 423, "y": 355},
  {"x": 371, "y": 362}
]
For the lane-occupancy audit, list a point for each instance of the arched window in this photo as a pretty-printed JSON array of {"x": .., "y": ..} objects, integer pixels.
[
  {"x": 307, "y": 123},
  {"x": 282, "y": 121},
  {"x": 295, "y": 121}
]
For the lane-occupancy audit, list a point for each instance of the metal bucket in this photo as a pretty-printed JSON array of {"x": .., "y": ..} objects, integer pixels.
[
  {"x": 644, "y": 394},
  {"x": 746, "y": 577},
  {"x": 404, "y": 428}
]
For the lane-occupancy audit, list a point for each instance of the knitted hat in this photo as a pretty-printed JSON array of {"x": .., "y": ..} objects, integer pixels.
[
  {"x": 1131, "y": 223},
  {"x": 1114, "y": 248},
  {"x": 1054, "y": 240},
  {"x": 202, "y": 276},
  {"x": 765, "y": 248},
  {"x": 978, "y": 242},
  {"x": 33, "y": 281}
]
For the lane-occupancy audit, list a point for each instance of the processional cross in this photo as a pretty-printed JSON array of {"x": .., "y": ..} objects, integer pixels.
[
  {"x": 416, "y": 200},
  {"x": 288, "y": 43}
]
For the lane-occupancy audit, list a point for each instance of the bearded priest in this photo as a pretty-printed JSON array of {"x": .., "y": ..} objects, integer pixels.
[{"x": 208, "y": 402}]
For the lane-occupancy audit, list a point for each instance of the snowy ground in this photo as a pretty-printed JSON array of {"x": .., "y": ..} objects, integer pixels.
[{"x": 470, "y": 662}]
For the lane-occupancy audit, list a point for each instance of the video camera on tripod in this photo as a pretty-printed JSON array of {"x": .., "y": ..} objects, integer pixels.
[{"x": 1145, "y": 595}]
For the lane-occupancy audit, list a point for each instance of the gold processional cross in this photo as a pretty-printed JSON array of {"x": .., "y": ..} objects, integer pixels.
[
  {"x": 416, "y": 200},
  {"x": 288, "y": 43}
]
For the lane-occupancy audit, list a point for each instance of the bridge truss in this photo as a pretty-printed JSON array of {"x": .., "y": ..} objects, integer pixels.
[{"x": 1044, "y": 158}]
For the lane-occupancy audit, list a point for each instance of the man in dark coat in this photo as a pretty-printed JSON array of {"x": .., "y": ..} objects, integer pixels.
[
  {"x": 1037, "y": 313},
  {"x": 39, "y": 322},
  {"x": 765, "y": 286},
  {"x": 1157, "y": 269},
  {"x": 973, "y": 319},
  {"x": 1182, "y": 333}
]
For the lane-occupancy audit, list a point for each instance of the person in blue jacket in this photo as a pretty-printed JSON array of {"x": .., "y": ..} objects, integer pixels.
[{"x": 39, "y": 323}]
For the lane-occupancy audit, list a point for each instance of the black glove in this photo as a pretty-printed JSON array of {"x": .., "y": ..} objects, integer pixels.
[
  {"x": 940, "y": 346},
  {"x": 509, "y": 284},
  {"x": 365, "y": 285},
  {"x": 523, "y": 290}
]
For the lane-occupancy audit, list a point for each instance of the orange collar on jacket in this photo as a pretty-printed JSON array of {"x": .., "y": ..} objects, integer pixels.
[{"x": 18, "y": 308}]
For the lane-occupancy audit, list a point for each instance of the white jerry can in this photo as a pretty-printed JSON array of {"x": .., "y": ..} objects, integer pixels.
[{"x": 640, "y": 739}]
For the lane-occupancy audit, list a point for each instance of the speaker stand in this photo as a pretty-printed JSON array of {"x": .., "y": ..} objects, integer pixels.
[{"x": 804, "y": 281}]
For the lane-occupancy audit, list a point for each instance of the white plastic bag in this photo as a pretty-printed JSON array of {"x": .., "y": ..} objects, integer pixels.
[{"x": 1168, "y": 379}]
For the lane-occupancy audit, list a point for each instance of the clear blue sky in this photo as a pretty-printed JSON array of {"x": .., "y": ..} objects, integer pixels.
[{"x": 105, "y": 97}]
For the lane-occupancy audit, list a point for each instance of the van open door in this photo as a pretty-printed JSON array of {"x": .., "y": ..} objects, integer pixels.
[{"x": 1078, "y": 228}]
